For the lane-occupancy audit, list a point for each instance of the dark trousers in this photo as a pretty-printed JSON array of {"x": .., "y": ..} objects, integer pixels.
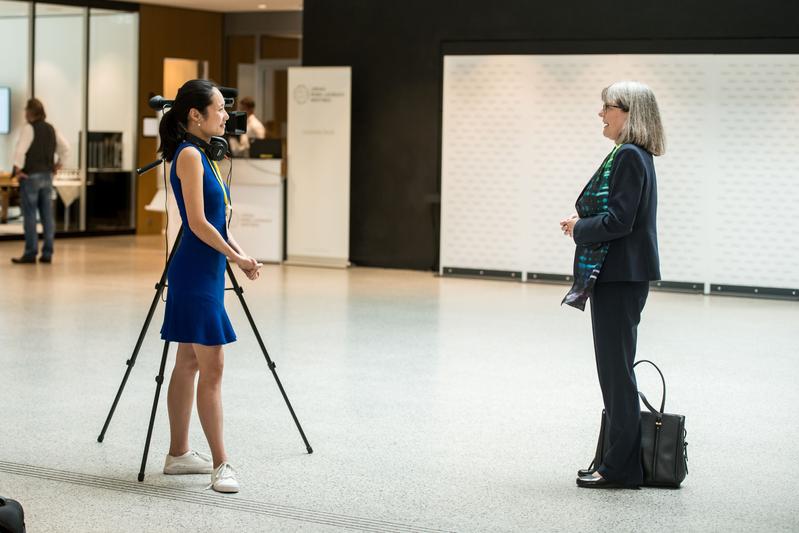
[{"x": 615, "y": 313}]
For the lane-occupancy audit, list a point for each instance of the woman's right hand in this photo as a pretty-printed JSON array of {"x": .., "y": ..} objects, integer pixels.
[
  {"x": 245, "y": 263},
  {"x": 567, "y": 224}
]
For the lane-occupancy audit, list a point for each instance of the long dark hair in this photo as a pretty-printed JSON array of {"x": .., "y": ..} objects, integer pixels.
[{"x": 194, "y": 94}]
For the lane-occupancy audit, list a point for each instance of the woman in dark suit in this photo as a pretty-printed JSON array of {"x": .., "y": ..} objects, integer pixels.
[{"x": 615, "y": 231}]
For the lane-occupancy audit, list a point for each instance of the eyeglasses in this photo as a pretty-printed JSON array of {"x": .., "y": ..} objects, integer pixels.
[{"x": 605, "y": 107}]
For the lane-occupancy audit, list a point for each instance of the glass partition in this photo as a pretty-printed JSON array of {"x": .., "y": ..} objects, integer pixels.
[
  {"x": 59, "y": 82},
  {"x": 113, "y": 71},
  {"x": 82, "y": 63}
]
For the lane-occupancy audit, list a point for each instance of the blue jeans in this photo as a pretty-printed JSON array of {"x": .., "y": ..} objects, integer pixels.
[{"x": 36, "y": 192}]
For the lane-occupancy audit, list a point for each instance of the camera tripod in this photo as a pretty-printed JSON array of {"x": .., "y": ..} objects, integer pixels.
[{"x": 159, "y": 379}]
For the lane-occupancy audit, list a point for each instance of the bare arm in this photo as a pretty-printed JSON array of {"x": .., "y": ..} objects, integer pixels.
[
  {"x": 233, "y": 244},
  {"x": 190, "y": 171},
  {"x": 251, "y": 273}
]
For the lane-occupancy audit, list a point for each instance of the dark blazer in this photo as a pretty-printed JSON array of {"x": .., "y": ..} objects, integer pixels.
[{"x": 630, "y": 225}]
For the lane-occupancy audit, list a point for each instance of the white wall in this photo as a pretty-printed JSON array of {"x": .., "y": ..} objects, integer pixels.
[
  {"x": 14, "y": 72},
  {"x": 521, "y": 137}
]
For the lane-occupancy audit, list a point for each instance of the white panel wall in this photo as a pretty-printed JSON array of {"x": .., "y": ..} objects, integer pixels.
[
  {"x": 755, "y": 240},
  {"x": 521, "y": 137},
  {"x": 487, "y": 162}
]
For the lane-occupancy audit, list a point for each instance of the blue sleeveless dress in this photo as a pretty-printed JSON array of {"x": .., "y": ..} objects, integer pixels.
[{"x": 195, "y": 309}]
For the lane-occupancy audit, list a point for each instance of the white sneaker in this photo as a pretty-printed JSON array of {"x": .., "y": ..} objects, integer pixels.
[
  {"x": 224, "y": 479},
  {"x": 190, "y": 462}
]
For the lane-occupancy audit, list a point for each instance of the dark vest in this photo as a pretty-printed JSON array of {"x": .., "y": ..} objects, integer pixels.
[{"x": 40, "y": 156}]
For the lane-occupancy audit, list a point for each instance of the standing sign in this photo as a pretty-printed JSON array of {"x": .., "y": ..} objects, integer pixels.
[{"x": 318, "y": 150}]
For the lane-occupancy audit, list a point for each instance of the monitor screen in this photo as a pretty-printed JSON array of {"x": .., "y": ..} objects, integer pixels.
[
  {"x": 5, "y": 110},
  {"x": 266, "y": 149}
]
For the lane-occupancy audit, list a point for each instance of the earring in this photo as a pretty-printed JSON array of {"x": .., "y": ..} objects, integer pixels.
[{"x": 198, "y": 124}]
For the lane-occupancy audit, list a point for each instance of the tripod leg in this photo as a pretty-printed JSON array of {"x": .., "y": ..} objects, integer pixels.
[
  {"x": 240, "y": 293},
  {"x": 132, "y": 361},
  {"x": 159, "y": 290},
  {"x": 159, "y": 379}
]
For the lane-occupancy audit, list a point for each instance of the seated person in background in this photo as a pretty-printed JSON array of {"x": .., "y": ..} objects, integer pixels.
[{"x": 240, "y": 145}]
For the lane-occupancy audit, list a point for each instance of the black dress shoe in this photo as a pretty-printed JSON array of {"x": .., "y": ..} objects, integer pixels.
[
  {"x": 44, "y": 259},
  {"x": 23, "y": 260},
  {"x": 591, "y": 482},
  {"x": 583, "y": 472}
]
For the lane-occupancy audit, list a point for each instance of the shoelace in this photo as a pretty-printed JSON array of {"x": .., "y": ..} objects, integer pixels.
[
  {"x": 224, "y": 471},
  {"x": 204, "y": 456}
]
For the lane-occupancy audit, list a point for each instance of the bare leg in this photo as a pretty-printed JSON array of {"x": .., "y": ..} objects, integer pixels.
[
  {"x": 180, "y": 399},
  {"x": 211, "y": 360}
]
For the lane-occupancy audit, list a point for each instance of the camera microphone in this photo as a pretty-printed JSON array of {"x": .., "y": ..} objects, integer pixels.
[{"x": 159, "y": 102}]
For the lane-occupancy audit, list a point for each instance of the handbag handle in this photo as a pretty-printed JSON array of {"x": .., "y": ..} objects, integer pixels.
[{"x": 662, "y": 380}]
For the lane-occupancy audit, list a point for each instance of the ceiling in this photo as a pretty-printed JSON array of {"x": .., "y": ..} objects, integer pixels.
[{"x": 231, "y": 6}]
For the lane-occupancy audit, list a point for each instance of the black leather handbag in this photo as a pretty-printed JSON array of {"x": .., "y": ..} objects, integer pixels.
[
  {"x": 12, "y": 517},
  {"x": 664, "y": 451}
]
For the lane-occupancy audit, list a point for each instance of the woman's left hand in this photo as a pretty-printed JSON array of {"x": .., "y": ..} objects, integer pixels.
[
  {"x": 567, "y": 225},
  {"x": 254, "y": 273}
]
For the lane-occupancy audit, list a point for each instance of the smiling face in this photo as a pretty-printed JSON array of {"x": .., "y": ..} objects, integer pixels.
[
  {"x": 614, "y": 118},
  {"x": 212, "y": 122}
]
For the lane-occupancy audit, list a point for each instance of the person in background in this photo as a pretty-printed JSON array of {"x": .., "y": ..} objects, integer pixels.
[
  {"x": 240, "y": 145},
  {"x": 40, "y": 152}
]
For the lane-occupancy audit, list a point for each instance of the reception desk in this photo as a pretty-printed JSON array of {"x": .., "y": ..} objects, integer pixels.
[{"x": 256, "y": 192}]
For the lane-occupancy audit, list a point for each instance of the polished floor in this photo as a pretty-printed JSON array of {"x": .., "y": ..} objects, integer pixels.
[{"x": 432, "y": 404}]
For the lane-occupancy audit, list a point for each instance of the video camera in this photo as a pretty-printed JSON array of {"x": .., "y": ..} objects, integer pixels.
[
  {"x": 217, "y": 147},
  {"x": 237, "y": 121}
]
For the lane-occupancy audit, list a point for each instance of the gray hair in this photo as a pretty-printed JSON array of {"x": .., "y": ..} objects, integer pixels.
[{"x": 643, "y": 126}]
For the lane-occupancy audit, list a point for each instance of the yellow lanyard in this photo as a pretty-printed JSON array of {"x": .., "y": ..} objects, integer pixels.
[{"x": 218, "y": 176}]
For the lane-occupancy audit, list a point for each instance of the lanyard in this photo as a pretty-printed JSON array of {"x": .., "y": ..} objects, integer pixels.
[{"x": 218, "y": 176}]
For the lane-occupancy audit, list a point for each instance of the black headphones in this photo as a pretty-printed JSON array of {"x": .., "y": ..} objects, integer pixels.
[{"x": 216, "y": 148}]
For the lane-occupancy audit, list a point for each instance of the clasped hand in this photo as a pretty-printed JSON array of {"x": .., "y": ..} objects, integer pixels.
[
  {"x": 249, "y": 266},
  {"x": 567, "y": 225}
]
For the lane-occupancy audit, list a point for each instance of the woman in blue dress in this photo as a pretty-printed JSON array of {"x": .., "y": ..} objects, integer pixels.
[{"x": 195, "y": 315}]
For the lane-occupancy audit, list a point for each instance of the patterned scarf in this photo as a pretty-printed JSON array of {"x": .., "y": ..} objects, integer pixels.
[{"x": 588, "y": 258}]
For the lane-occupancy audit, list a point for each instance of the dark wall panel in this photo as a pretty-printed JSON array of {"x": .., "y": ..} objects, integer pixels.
[{"x": 395, "y": 50}]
